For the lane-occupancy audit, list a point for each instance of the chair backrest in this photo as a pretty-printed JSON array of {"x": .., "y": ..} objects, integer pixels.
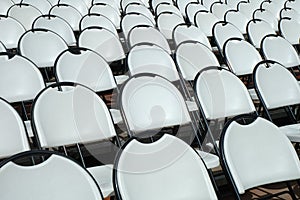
[
  {"x": 266, "y": 16},
  {"x": 41, "y": 46},
  {"x": 241, "y": 56},
  {"x": 43, "y": 5},
  {"x": 167, "y": 21},
  {"x": 68, "y": 13},
  {"x": 273, "y": 7},
  {"x": 20, "y": 79},
  {"x": 33, "y": 182},
  {"x": 238, "y": 19},
  {"x": 24, "y": 13},
  {"x": 191, "y": 9},
  {"x": 290, "y": 29},
  {"x": 140, "y": 8},
  {"x": 78, "y": 4},
  {"x": 11, "y": 31},
  {"x": 290, "y": 12},
  {"x": 13, "y": 133},
  {"x": 183, "y": 32},
  {"x": 222, "y": 31},
  {"x": 130, "y": 20},
  {"x": 72, "y": 107},
  {"x": 57, "y": 25},
  {"x": 222, "y": 94},
  {"x": 181, "y": 4},
  {"x": 166, "y": 7},
  {"x": 219, "y": 9},
  {"x": 103, "y": 41},
  {"x": 257, "y": 29},
  {"x": 277, "y": 48},
  {"x": 208, "y": 3},
  {"x": 108, "y": 11},
  {"x": 150, "y": 58},
  {"x": 257, "y": 168},
  {"x": 114, "y": 4},
  {"x": 166, "y": 164},
  {"x": 94, "y": 19},
  {"x": 5, "y": 5},
  {"x": 291, "y": 4},
  {"x": 152, "y": 102},
  {"x": 247, "y": 8},
  {"x": 86, "y": 67},
  {"x": 205, "y": 20},
  {"x": 275, "y": 85},
  {"x": 191, "y": 57},
  {"x": 148, "y": 34},
  {"x": 155, "y": 3}
]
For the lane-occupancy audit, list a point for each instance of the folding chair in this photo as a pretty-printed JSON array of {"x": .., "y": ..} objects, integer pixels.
[
  {"x": 273, "y": 7},
  {"x": 191, "y": 9},
  {"x": 4, "y": 6},
  {"x": 163, "y": 167},
  {"x": 290, "y": 29},
  {"x": 46, "y": 175},
  {"x": 278, "y": 88},
  {"x": 166, "y": 7},
  {"x": 219, "y": 9},
  {"x": 251, "y": 150},
  {"x": 140, "y": 8},
  {"x": 114, "y": 4},
  {"x": 290, "y": 12},
  {"x": 68, "y": 132},
  {"x": 44, "y": 5},
  {"x": 238, "y": 19},
  {"x": 205, "y": 20},
  {"x": 78, "y": 4},
  {"x": 267, "y": 16},
  {"x": 247, "y": 8},
  {"x": 155, "y": 3},
  {"x": 57, "y": 25},
  {"x": 181, "y": 5}
]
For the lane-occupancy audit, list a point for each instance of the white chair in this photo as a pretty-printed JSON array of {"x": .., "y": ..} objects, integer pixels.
[
  {"x": 290, "y": 29},
  {"x": 33, "y": 181},
  {"x": 291, "y": 4},
  {"x": 232, "y": 3},
  {"x": 167, "y": 21},
  {"x": 43, "y": 5},
  {"x": 13, "y": 133},
  {"x": 130, "y": 20},
  {"x": 257, "y": 29},
  {"x": 219, "y": 9},
  {"x": 150, "y": 103},
  {"x": 68, "y": 13},
  {"x": 86, "y": 67},
  {"x": 208, "y": 3},
  {"x": 247, "y": 8},
  {"x": 155, "y": 3},
  {"x": 78, "y": 4},
  {"x": 5, "y": 5},
  {"x": 148, "y": 34},
  {"x": 273, "y": 7},
  {"x": 205, "y": 20},
  {"x": 108, "y": 11},
  {"x": 222, "y": 31},
  {"x": 140, "y": 8},
  {"x": 163, "y": 167},
  {"x": 73, "y": 106},
  {"x": 24, "y": 13},
  {"x": 191, "y": 57},
  {"x": 11, "y": 31},
  {"x": 94, "y": 19},
  {"x": 114, "y": 4},
  {"x": 182, "y": 4},
  {"x": 57, "y": 25},
  {"x": 125, "y": 3},
  {"x": 290, "y": 12},
  {"x": 183, "y": 32},
  {"x": 257, "y": 168},
  {"x": 166, "y": 7},
  {"x": 238, "y": 19},
  {"x": 266, "y": 16},
  {"x": 191, "y": 9},
  {"x": 278, "y": 88},
  {"x": 278, "y": 49}
]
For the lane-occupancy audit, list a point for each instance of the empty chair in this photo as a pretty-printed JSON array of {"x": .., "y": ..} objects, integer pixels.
[
  {"x": 290, "y": 12},
  {"x": 181, "y": 5},
  {"x": 167, "y": 21},
  {"x": 191, "y": 9},
  {"x": 131, "y": 20},
  {"x": 257, "y": 29},
  {"x": 57, "y": 25},
  {"x": 148, "y": 34},
  {"x": 13, "y": 133},
  {"x": 278, "y": 88},
  {"x": 24, "y": 13},
  {"x": 125, "y": 3},
  {"x": 108, "y": 11},
  {"x": 191, "y": 57},
  {"x": 20, "y": 82},
  {"x": 221, "y": 95},
  {"x": 166, "y": 7},
  {"x": 78, "y": 4},
  {"x": 266, "y": 16},
  {"x": 29, "y": 179},
  {"x": 278, "y": 49},
  {"x": 205, "y": 20},
  {"x": 290, "y": 29},
  {"x": 94, "y": 19},
  {"x": 273, "y": 7},
  {"x": 219, "y": 9},
  {"x": 74, "y": 105},
  {"x": 222, "y": 31},
  {"x": 155, "y": 168},
  {"x": 43, "y": 5},
  {"x": 11, "y": 31},
  {"x": 250, "y": 163},
  {"x": 86, "y": 67},
  {"x": 183, "y": 32},
  {"x": 114, "y": 4},
  {"x": 140, "y": 8},
  {"x": 106, "y": 43},
  {"x": 5, "y": 5},
  {"x": 68, "y": 13},
  {"x": 238, "y": 19},
  {"x": 155, "y": 3},
  {"x": 247, "y": 8}
]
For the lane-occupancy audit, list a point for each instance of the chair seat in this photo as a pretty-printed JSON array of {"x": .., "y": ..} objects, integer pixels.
[
  {"x": 292, "y": 132},
  {"x": 120, "y": 79},
  {"x": 192, "y": 106},
  {"x": 103, "y": 176},
  {"x": 210, "y": 160},
  {"x": 116, "y": 115}
]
